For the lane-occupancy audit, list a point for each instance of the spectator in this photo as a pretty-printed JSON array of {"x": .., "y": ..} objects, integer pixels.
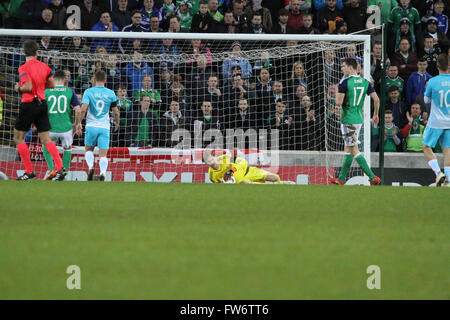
[
  {"x": 172, "y": 120},
  {"x": 385, "y": 7},
  {"x": 341, "y": 26},
  {"x": 177, "y": 92},
  {"x": 424, "y": 106},
  {"x": 164, "y": 81},
  {"x": 439, "y": 38},
  {"x": 262, "y": 91},
  {"x": 121, "y": 136},
  {"x": 154, "y": 24},
  {"x": 282, "y": 27},
  {"x": 320, "y": 4},
  {"x": 196, "y": 48},
  {"x": 144, "y": 124},
  {"x": 240, "y": 19},
  {"x": 135, "y": 71},
  {"x": 203, "y": 21},
  {"x": 406, "y": 10},
  {"x": 170, "y": 53},
  {"x": 147, "y": 90},
  {"x": 355, "y": 14},
  {"x": 391, "y": 139},
  {"x": 305, "y": 5},
  {"x": 431, "y": 53},
  {"x": 207, "y": 120},
  {"x": 375, "y": 66},
  {"x": 332, "y": 70},
  {"x": 11, "y": 13},
  {"x": 412, "y": 132},
  {"x": 297, "y": 77},
  {"x": 327, "y": 17},
  {"x": 281, "y": 121},
  {"x": 442, "y": 18},
  {"x": 105, "y": 24},
  {"x": 167, "y": 10},
  {"x": 405, "y": 60},
  {"x": 397, "y": 106},
  {"x": 350, "y": 52},
  {"x": 402, "y": 32},
  {"x": 148, "y": 11},
  {"x": 238, "y": 90},
  {"x": 184, "y": 12},
  {"x": 255, "y": 26},
  {"x": 266, "y": 17},
  {"x": 122, "y": 16},
  {"x": 197, "y": 78},
  {"x": 303, "y": 123},
  {"x": 392, "y": 79},
  {"x": 213, "y": 9},
  {"x": 46, "y": 44},
  {"x": 114, "y": 76},
  {"x": 174, "y": 24},
  {"x": 224, "y": 5},
  {"x": 236, "y": 59},
  {"x": 295, "y": 19},
  {"x": 274, "y": 7},
  {"x": 227, "y": 25},
  {"x": 296, "y": 98},
  {"x": 263, "y": 61},
  {"x": 29, "y": 15},
  {"x": 126, "y": 45},
  {"x": 59, "y": 14},
  {"x": 46, "y": 21},
  {"x": 242, "y": 117},
  {"x": 416, "y": 82},
  {"x": 90, "y": 15}
]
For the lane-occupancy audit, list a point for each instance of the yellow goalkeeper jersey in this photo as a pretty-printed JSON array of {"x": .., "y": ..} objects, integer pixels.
[{"x": 226, "y": 163}]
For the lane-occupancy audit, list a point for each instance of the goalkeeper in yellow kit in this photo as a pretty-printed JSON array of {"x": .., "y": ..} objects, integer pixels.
[{"x": 228, "y": 169}]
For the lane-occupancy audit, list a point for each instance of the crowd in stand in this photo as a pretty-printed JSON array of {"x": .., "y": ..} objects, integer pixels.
[{"x": 293, "y": 94}]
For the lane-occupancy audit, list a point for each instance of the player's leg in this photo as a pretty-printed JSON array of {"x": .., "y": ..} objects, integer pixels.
[
  {"x": 350, "y": 141},
  {"x": 90, "y": 140},
  {"x": 429, "y": 140},
  {"x": 48, "y": 158},
  {"x": 103, "y": 145},
  {"x": 445, "y": 143},
  {"x": 22, "y": 125},
  {"x": 66, "y": 141}
]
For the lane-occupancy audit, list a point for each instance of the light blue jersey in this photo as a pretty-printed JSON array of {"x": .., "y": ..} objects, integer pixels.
[
  {"x": 438, "y": 91},
  {"x": 99, "y": 100}
]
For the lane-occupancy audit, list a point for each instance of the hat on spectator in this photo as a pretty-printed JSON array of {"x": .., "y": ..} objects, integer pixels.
[
  {"x": 186, "y": 3},
  {"x": 404, "y": 20},
  {"x": 236, "y": 43},
  {"x": 340, "y": 23},
  {"x": 432, "y": 19}
]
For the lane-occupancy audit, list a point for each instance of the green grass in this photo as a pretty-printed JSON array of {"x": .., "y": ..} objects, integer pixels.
[{"x": 194, "y": 241}]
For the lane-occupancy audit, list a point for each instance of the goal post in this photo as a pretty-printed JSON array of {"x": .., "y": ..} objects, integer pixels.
[{"x": 278, "y": 143}]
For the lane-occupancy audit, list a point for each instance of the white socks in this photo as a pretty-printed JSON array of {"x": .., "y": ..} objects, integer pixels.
[
  {"x": 89, "y": 157},
  {"x": 103, "y": 163},
  {"x": 434, "y": 165}
]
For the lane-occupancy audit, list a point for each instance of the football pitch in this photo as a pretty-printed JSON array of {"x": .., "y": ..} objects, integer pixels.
[{"x": 198, "y": 241}]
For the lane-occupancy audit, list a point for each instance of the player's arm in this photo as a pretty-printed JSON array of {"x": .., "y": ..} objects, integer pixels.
[
  {"x": 84, "y": 107},
  {"x": 26, "y": 87},
  {"x": 376, "y": 103},
  {"x": 50, "y": 84},
  {"x": 116, "y": 112},
  {"x": 340, "y": 95}
]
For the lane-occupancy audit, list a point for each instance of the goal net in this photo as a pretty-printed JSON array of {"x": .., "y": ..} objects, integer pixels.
[{"x": 267, "y": 98}]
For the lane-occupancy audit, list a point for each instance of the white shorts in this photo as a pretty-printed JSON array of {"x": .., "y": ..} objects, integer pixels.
[
  {"x": 350, "y": 133},
  {"x": 64, "y": 138}
]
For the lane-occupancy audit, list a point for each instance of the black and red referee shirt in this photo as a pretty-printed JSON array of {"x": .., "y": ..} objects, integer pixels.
[{"x": 37, "y": 72}]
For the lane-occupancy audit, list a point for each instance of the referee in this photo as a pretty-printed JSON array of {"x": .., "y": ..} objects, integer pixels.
[{"x": 35, "y": 77}]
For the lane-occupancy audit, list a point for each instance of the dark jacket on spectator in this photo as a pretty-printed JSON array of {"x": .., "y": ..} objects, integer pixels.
[
  {"x": 356, "y": 17},
  {"x": 169, "y": 124},
  {"x": 121, "y": 18},
  {"x": 411, "y": 66},
  {"x": 288, "y": 29},
  {"x": 59, "y": 15},
  {"x": 204, "y": 20},
  {"x": 327, "y": 19},
  {"x": 89, "y": 18}
]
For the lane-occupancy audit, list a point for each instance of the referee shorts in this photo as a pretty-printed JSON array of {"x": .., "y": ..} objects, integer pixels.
[{"x": 33, "y": 112}]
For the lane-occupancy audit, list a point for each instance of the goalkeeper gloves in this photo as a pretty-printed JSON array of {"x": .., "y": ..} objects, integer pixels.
[{"x": 229, "y": 175}]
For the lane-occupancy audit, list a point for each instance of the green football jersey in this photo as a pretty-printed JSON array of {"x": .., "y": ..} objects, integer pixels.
[
  {"x": 355, "y": 89},
  {"x": 124, "y": 106},
  {"x": 152, "y": 93},
  {"x": 399, "y": 12},
  {"x": 59, "y": 100},
  {"x": 398, "y": 82}
]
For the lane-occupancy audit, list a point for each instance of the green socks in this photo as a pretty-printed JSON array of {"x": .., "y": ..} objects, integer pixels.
[
  {"x": 363, "y": 164},
  {"x": 345, "y": 166},
  {"x": 48, "y": 158},
  {"x": 66, "y": 159}
]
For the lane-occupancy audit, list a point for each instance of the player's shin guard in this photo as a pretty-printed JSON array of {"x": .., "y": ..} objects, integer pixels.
[
  {"x": 89, "y": 157},
  {"x": 103, "y": 163},
  {"x": 345, "y": 166},
  {"x": 434, "y": 165},
  {"x": 67, "y": 158},
  {"x": 25, "y": 155},
  {"x": 363, "y": 164},
  {"x": 48, "y": 158},
  {"x": 51, "y": 147}
]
